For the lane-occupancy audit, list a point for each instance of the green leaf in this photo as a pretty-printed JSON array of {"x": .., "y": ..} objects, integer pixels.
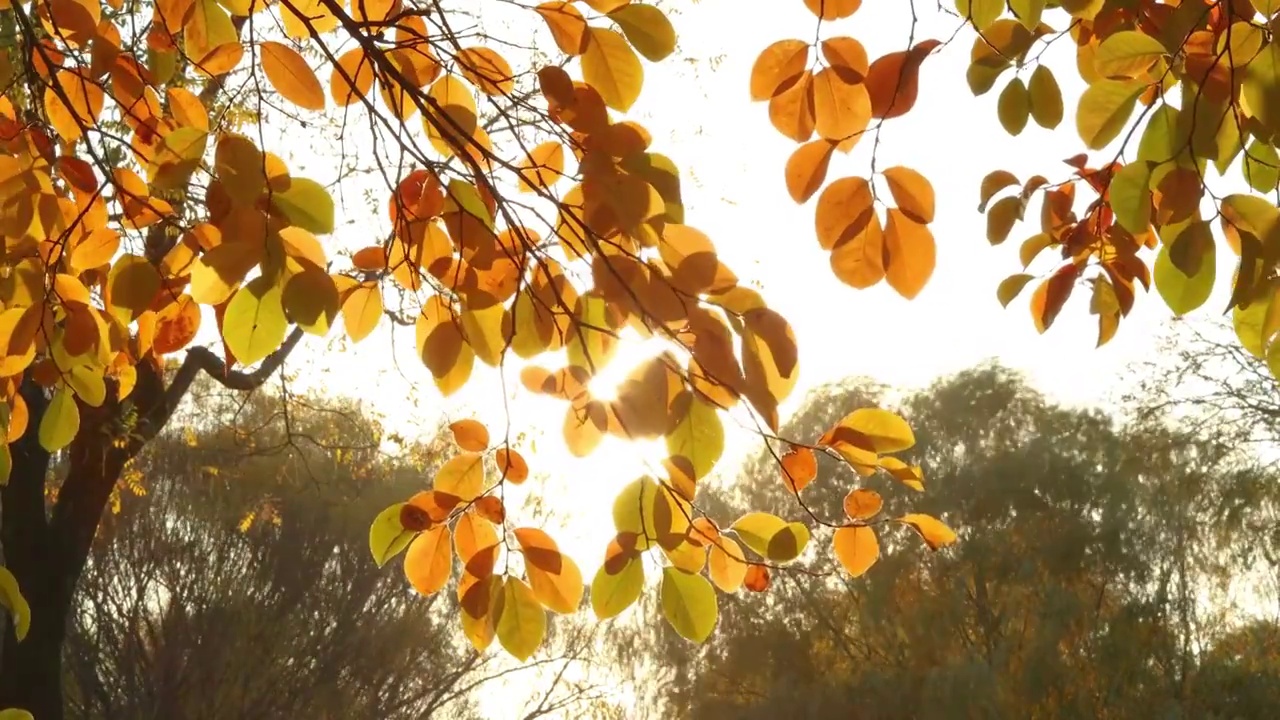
[
  {"x": 1273, "y": 359},
  {"x": 1014, "y": 106},
  {"x": 521, "y": 622},
  {"x": 387, "y": 536},
  {"x": 11, "y": 597},
  {"x": 1046, "y": 98},
  {"x": 1011, "y": 286},
  {"x": 254, "y": 325},
  {"x": 305, "y": 204},
  {"x": 771, "y": 537},
  {"x": 689, "y": 604},
  {"x": 982, "y": 13},
  {"x": 1126, "y": 54},
  {"x": 648, "y": 29},
  {"x": 1181, "y": 293},
  {"x": 1104, "y": 110},
  {"x": 1159, "y": 141},
  {"x": 611, "y": 593},
  {"x": 1131, "y": 196},
  {"x": 88, "y": 384},
  {"x": 699, "y": 437},
  {"x": 1262, "y": 167},
  {"x": 1261, "y": 87},
  {"x": 61, "y": 421},
  {"x": 16, "y": 714}
]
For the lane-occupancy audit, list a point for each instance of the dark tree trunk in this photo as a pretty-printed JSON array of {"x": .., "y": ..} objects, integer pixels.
[{"x": 47, "y": 552}]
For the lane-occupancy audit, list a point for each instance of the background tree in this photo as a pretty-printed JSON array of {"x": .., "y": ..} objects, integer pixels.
[
  {"x": 1117, "y": 542},
  {"x": 232, "y": 582}
]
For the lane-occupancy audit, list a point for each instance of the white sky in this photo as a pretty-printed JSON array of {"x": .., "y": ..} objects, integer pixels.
[{"x": 697, "y": 108}]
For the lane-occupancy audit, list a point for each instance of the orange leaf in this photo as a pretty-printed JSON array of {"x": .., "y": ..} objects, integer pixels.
[
  {"x": 511, "y": 465},
  {"x": 841, "y": 109},
  {"x": 935, "y": 533},
  {"x": 757, "y": 578},
  {"x": 352, "y": 78},
  {"x": 862, "y": 504},
  {"x": 470, "y": 435},
  {"x": 856, "y": 548},
  {"x": 912, "y": 192},
  {"x": 362, "y": 310},
  {"x": 847, "y": 57},
  {"x": 833, "y": 9},
  {"x": 799, "y": 468},
  {"x": 291, "y": 76},
  {"x": 568, "y": 27},
  {"x": 893, "y": 80},
  {"x": 487, "y": 70},
  {"x": 844, "y": 209},
  {"x": 858, "y": 261},
  {"x": 490, "y": 508},
  {"x": 778, "y": 67},
  {"x": 542, "y": 167},
  {"x": 176, "y": 326},
  {"x": 807, "y": 169},
  {"x": 370, "y": 259},
  {"x": 429, "y": 560},
  {"x": 910, "y": 254},
  {"x": 1051, "y": 295},
  {"x": 792, "y": 110}
]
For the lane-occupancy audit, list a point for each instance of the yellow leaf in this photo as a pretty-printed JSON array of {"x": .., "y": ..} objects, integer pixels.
[
  {"x": 611, "y": 67},
  {"x": 568, "y": 27},
  {"x": 1104, "y": 110},
  {"x": 291, "y": 76},
  {"x": 88, "y": 384},
  {"x": 1127, "y": 54},
  {"x": 11, "y": 597},
  {"x": 771, "y": 537},
  {"x": 689, "y": 604},
  {"x": 362, "y": 310},
  {"x": 856, "y": 548},
  {"x": 61, "y": 421},
  {"x": 131, "y": 286},
  {"x": 1045, "y": 98},
  {"x": 554, "y": 577},
  {"x": 487, "y": 70},
  {"x": 462, "y": 476},
  {"x": 648, "y": 29},
  {"x": 442, "y": 347},
  {"x": 72, "y": 102},
  {"x": 311, "y": 301},
  {"x": 520, "y": 621},
  {"x": 254, "y": 324},
  {"x": 618, "y": 582},
  {"x": 387, "y": 536},
  {"x": 884, "y": 431},
  {"x": 936, "y": 535},
  {"x": 483, "y": 331},
  {"x": 778, "y": 67},
  {"x": 698, "y": 437}
]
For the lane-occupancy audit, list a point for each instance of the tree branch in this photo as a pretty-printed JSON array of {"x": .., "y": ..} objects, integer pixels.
[{"x": 202, "y": 358}]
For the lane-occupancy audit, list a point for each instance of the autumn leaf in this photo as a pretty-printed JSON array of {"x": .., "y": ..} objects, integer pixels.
[
  {"x": 611, "y": 67},
  {"x": 935, "y": 534},
  {"x": 291, "y": 76},
  {"x": 689, "y": 604},
  {"x": 856, "y": 548}
]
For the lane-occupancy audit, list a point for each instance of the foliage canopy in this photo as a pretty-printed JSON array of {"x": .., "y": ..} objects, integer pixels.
[{"x": 141, "y": 202}]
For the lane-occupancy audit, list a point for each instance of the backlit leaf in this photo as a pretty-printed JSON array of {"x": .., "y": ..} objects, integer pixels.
[
  {"x": 807, "y": 169},
  {"x": 648, "y": 29},
  {"x": 12, "y": 599},
  {"x": 470, "y": 435},
  {"x": 1104, "y": 110},
  {"x": 726, "y": 564},
  {"x": 856, "y": 548},
  {"x": 617, "y": 584},
  {"x": 1045, "y": 97},
  {"x": 387, "y": 535},
  {"x": 429, "y": 561},
  {"x": 520, "y": 621},
  {"x": 912, "y": 193},
  {"x": 611, "y": 67},
  {"x": 1014, "y": 106},
  {"x": 291, "y": 76},
  {"x": 689, "y": 604},
  {"x": 771, "y": 537},
  {"x": 862, "y": 504},
  {"x": 935, "y": 534},
  {"x": 910, "y": 252},
  {"x": 254, "y": 325},
  {"x": 61, "y": 421}
]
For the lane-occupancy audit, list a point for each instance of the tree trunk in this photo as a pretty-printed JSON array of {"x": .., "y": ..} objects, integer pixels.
[{"x": 47, "y": 552}]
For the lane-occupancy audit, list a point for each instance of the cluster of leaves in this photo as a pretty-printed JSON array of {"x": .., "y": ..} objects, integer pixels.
[
  {"x": 1196, "y": 84},
  {"x": 652, "y": 516},
  {"x": 133, "y": 207},
  {"x": 838, "y": 103}
]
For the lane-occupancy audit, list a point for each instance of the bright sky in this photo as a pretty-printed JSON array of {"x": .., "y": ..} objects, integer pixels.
[{"x": 697, "y": 108}]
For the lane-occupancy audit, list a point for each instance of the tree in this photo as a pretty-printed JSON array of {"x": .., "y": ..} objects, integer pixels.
[
  {"x": 142, "y": 202},
  {"x": 1079, "y": 533},
  {"x": 235, "y": 585}
]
